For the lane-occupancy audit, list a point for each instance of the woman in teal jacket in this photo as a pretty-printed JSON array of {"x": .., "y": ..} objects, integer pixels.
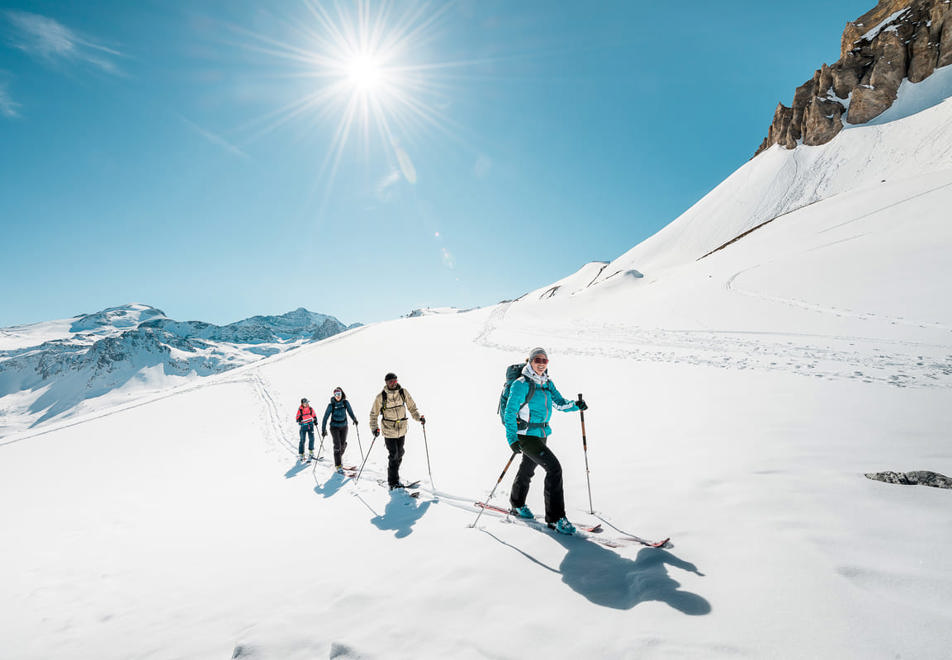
[{"x": 528, "y": 410}]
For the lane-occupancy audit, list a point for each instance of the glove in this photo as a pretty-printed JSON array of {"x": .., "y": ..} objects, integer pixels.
[
  {"x": 355, "y": 422},
  {"x": 516, "y": 447},
  {"x": 376, "y": 432},
  {"x": 423, "y": 420},
  {"x": 324, "y": 433},
  {"x": 581, "y": 405}
]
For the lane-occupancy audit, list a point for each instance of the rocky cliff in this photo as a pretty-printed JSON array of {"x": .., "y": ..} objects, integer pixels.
[{"x": 897, "y": 39}]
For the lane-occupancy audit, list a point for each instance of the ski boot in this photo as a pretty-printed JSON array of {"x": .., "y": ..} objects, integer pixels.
[
  {"x": 522, "y": 512},
  {"x": 563, "y": 526}
]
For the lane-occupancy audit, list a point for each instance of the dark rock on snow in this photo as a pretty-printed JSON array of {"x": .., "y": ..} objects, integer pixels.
[{"x": 921, "y": 477}]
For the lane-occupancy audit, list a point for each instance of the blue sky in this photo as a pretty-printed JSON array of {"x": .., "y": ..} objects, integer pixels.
[{"x": 190, "y": 155}]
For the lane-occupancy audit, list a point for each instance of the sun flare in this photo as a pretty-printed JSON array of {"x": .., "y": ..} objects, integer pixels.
[
  {"x": 368, "y": 78},
  {"x": 365, "y": 73}
]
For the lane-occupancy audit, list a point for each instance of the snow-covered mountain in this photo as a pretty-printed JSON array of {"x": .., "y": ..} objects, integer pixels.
[
  {"x": 736, "y": 401},
  {"x": 911, "y": 140},
  {"x": 73, "y": 366}
]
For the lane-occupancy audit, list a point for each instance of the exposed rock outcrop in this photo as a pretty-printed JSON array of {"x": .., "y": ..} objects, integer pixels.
[
  {"x": 897, "y": 39},
  {"x": 920, "y": 477}
]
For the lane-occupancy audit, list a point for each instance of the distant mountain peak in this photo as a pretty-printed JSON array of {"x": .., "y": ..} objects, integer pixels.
[{"x": 53, "y": 367}]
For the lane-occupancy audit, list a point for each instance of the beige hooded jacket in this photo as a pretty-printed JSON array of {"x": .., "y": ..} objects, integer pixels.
[{"x": 394, "y": 411}]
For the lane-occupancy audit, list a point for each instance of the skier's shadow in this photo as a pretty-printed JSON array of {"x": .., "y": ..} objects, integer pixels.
[
  {"x": 296, "y": 469},
  {"x": 330, "y": 487},
  {"x": 401, "y": 514},
  {"x": 610, "y": 580}
]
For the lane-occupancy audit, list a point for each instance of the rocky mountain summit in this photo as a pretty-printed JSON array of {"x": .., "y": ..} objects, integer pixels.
[
  {"x": 133, "y": 345},
  {"x": 896, "y": 40}
]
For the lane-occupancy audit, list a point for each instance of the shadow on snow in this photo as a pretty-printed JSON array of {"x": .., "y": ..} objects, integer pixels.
[
  {"x": 610, "y": 580},
  {"x": 401, "y": 514}
]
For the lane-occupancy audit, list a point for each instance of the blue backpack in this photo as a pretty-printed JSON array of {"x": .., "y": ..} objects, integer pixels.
[{"x": 513, "y": 373}]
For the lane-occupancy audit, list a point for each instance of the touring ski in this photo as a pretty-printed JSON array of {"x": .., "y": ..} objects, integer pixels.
[
  {"x": 608, "y": 541},
  {"x": 591, "y": 529},
  {"x": 404, "y": 487}
]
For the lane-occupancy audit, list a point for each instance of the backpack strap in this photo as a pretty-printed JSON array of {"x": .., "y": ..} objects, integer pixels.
[{"x": 383, "y": 398}]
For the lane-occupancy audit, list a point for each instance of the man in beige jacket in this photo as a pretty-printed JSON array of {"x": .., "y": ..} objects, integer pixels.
[{"x": 392, "y": 405}]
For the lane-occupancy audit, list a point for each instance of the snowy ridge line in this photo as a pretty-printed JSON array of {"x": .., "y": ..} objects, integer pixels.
[
  {"x": 226, "y": 377},
  {"x": 761, "y": 225}
]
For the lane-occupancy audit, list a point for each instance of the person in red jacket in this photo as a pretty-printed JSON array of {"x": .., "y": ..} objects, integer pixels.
[{"x": 306, "y": 418}]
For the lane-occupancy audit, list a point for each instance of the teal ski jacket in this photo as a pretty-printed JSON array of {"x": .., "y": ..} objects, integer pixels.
[{"x": 532, "y": 417}]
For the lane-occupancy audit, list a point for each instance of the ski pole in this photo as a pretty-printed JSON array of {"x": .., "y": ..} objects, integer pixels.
[
  {"x": 499, "y": 481},
  {"x": 357, "y": 478},
  {"x": 321, "y": 448},
  {"x": 426, "y": 446},
  {"x": 359, "y": 446},
  {"x": 588, "y": 479}
]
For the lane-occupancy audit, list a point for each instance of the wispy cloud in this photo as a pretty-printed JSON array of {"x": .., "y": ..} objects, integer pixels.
[
  {"x": 214, "y": 138},
  {"x": 50, "y": 40},
  {"x": 8, "y": 107}
]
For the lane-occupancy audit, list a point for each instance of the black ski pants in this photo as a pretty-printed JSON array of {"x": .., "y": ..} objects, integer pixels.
[
  {"x": 535, "y": 453},
  {"x": 395, "y": 458},
  {"x": 306, "y": 429},
  {"x": 339, "y": 434}
]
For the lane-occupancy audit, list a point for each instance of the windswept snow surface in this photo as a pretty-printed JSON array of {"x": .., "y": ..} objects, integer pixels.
[{"x": 735, "y": 402}]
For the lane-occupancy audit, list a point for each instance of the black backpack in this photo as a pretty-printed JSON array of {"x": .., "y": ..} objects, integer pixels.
[
  {"x": 383, "y": 397},
  {"x": 513, "y": 373}
]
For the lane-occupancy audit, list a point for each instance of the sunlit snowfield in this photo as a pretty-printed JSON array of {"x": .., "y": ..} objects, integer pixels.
[{"x": 736, "y": 402}]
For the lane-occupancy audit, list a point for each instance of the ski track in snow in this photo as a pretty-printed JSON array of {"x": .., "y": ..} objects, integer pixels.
[
  {"x": 867, "y": 359},
  {"x": 277, "y": 437}
]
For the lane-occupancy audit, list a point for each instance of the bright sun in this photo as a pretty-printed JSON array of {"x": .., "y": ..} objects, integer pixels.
[
  {"x": 365, "y": 73},
  {"x": 364, "y": 58}
]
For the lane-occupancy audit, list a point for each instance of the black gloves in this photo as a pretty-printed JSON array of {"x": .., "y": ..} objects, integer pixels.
[
  {"x": 423, "y": 420},
  {"x": 516, "y": 447},
  {"x": 376, "y": 432},
  {"x": 581, "y": 405},
  {"x": 324, "y": 433}
]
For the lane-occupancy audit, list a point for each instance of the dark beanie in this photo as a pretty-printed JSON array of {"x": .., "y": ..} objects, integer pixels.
[{"x": 390, "y": 376}]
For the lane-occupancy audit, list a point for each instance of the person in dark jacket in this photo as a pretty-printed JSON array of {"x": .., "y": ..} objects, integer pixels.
[
  {"x": 338, "y": 410},
  {"x": 306, "y": 418}
]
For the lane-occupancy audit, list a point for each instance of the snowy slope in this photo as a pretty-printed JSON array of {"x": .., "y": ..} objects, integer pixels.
[
  {"x": 736, "y": 402},
  {"x": 912, "y": 138},
  {"x": 735, "y": 406}
]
